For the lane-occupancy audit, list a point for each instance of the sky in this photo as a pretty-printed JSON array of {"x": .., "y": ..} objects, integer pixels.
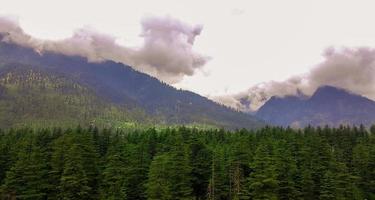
[{"x": 240, "y": 43}]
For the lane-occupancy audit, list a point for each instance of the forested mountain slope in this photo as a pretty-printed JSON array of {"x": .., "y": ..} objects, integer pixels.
[
  {"x": 116, "y": 85},
  {"x": 30, "y": 96}
]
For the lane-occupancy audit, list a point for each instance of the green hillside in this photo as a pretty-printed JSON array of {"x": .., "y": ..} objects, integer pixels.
[{"x": 39, "y": 98}]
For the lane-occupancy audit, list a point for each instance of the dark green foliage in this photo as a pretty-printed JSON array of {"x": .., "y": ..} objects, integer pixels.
[
  {"x": 200, "y": 159},
  {"x": 74, "y": 182},
  {"x": 263, "y": 183},
  {"x": 28, "y": 177},
  {"x": 159, "y": 186},
  {"x": 170, "y": 175},
  {"x": 183, "y": 163},
  {"x": 113, "y": 181}
]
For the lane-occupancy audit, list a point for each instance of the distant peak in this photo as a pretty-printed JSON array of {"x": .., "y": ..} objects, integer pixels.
[
  {"x": 285, "y": 98},
  {"x": 331, "y": 91},
  {"x": 329, "y": 88}
]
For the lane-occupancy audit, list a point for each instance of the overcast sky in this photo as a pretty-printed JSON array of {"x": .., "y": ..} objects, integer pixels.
[{"x": 248, "y": 41}]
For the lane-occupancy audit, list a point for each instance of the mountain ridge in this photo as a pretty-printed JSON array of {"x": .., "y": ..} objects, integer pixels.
[
  {"x": 119, "y": 84},
  {"x": 328, "y": 105}
]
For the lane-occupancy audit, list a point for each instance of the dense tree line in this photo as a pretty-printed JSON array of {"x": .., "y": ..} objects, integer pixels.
[{"x": 187, "y": 163}]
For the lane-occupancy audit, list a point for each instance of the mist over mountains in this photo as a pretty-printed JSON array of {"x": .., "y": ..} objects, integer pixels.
[
  {"x": 52, "y": 88},
  {"x": 103, "y": 83},
  {"x": 327, "y": 106},
  {"x": 352, "y": 69},
  {"x": 166, "y": 53}
]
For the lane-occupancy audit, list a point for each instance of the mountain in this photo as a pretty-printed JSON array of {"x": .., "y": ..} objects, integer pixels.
[
  {"x": 327, "y": 106},
  {"x": 52, "y": 88}
]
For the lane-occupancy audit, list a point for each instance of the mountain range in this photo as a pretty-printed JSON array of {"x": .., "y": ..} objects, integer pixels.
[
  {"x": 327, "y": 106},
  {"x": 57, "y": 90},
  {"x": 52, "y": 89}
]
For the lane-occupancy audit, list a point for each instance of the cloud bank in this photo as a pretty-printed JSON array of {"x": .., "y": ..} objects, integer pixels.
[
  {"x": 167, "y": 51},
  {"x": 349, "y": 68}
]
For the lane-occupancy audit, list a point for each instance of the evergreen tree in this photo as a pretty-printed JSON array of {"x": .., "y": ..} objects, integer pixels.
[
  {"x": 187, "y": 163},
  {"x": 169, "y": 177},
  {"x": 28, "y": 177},
  {"x": 285, "y": 172},
  {"x": 361, "y": 159},
  {"x": 181, "y": 176},
  {"x": 328, "y": 187},
  {"x": 5, "y": 155},
  {"x": 74, "y": 183},
  {"x": 113, "y": 185},
  {"x": 200, "y": 172},
  {"x": 371, "y": 169},
  {"x": 158, "y": 186},
  {"x": 307, "y": 185},
  {"x": 85, "y": 140},
  {"x": 262, "y": 182},
  {"x": 60, "y": 147},
  {"x": 136, "y": 171},
  {"x": 218, "y": 187}
]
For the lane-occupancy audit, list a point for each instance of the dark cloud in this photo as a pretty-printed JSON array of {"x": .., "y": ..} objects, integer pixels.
[{"x": 167, "y": 51}]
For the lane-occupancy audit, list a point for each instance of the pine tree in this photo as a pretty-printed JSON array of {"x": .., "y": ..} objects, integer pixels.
[
  {"x": 262, "y": 183},
  {"x": 307, "y": 185},
  {"x": 239, "y": 166},
  {"x": 60, "y": 147},
  {"x": 74, "y": 183},
  {"x": 5, "y": 155},
  {"x": 361, "y": 158},
  {"x": 137, "y": 170},
  {"x": 286, "y": 172},
  {"x": 113, "y": 185},
  {"x": 200, "y": 172},
  {"x": 328, "y": 187},
  {"x": 28, "y": 177},
  {"x": 169, "y": 177},
  {"x": 219, "y": 184},
  {"x": 158, "y": 186},
  {"x": 85, "y": 141},
  {"x": 371, "y": 169},
  {"x": 181, "y": 176}
]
